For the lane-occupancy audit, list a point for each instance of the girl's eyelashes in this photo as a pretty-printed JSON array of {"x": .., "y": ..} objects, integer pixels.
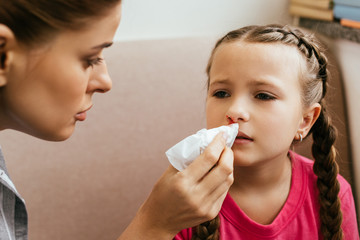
[
  {"x": 94, "y": 61},
  {"x": 221, "y": 94},
  {"x": 265, "y": 96}
]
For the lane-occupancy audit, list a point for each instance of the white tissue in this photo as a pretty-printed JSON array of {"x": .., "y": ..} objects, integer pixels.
[{"x": 187, "y": 150}]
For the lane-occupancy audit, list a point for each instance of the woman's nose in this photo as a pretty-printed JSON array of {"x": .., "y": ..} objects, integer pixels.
[
  {"x": 237, "y": 113},
  {"x": 100, "y": 80}
]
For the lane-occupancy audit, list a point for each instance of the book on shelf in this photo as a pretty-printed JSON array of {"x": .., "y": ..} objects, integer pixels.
[
  {"x": 348, "y": 12},
  {"x": 298, "y": 10},
  {"x": 350, "y": 23},
  {"x": 351, "y": 3},
  {"x": 320, "y": 4}
]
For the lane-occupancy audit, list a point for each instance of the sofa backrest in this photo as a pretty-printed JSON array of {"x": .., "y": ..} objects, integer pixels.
[{"x": 90, "y": 186}]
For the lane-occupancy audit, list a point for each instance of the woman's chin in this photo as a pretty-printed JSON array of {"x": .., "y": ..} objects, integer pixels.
[{"x": 54, "y": 136}]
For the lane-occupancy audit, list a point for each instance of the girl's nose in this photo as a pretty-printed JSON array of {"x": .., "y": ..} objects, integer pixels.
[
  {"x": 100, "y": 80},
  {"x": 237, "y": 114}
]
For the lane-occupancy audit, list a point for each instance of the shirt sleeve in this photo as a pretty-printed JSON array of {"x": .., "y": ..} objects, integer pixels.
[
  {"x": 185, "y": 234},
  {"x": 349, "y": 224}
]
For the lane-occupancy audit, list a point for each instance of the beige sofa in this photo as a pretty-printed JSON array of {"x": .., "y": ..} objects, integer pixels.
[{"x": 90, "y": 186}]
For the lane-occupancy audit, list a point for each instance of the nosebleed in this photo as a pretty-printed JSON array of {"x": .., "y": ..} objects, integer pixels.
[{"x": 186, "y": 151}]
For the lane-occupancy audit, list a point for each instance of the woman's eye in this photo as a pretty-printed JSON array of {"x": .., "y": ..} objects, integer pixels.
[
  {"x": 221, "y": 94},
  {"x": 264, "y": 96},
  {"x": 94, "y": 61}
]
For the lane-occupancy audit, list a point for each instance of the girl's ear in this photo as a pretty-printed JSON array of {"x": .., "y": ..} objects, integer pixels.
[
  {"x": 310, "y": 116},
  {"x": 7, "y": 40}
]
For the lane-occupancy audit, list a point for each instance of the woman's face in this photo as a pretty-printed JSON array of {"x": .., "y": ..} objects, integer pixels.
[
  {"x": 256, "y": 85},
  {"x": 49, "y": 89}
]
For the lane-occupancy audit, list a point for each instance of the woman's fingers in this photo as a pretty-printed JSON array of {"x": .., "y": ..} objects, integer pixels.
[
  {"x": 203, "y": 164},
  {"x": 215, "y": 185},
  {"x": 221, "y": 174},
  {"x": 210, "y": 177},
  {"x": 184, "y": 199}
]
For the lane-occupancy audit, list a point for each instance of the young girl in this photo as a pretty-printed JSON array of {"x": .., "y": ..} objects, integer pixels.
[
  {"x": 272, "y": 81},
  {"x": 51, "y": 64}
]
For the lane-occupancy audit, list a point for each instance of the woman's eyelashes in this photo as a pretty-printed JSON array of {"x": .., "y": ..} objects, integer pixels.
[{"x": 91, "y": 62}]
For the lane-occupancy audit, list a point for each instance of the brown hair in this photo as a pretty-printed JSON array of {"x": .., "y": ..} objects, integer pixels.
[
  {"x": 314, "y": 80},
  {"x": 34, "y": 22}
]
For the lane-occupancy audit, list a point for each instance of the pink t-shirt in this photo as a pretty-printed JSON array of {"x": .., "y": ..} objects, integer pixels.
[{"x": 297, "y": 220}]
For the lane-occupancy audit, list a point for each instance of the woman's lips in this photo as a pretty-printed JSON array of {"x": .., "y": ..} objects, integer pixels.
[{"x": 81, "y": 116}]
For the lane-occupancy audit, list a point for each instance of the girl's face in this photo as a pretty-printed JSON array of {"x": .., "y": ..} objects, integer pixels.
[
  {"x": 50, "y": 88},
  {"x": 257, "y": 86}
]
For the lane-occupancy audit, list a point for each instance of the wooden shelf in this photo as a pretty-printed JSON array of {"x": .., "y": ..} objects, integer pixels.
[{"x": 331, "y": 29}]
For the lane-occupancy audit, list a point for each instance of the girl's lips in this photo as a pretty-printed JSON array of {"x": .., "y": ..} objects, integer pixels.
[
  {"x": 242, "y": 141},
  {"x": 243, "y": 138},
  {"x": 242, "y": 135}
]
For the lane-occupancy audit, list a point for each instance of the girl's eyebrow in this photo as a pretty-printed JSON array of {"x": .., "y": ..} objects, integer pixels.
[
  {"x": 218, "y": 82},
  {"x": 260, "y": 83},
  {"x": 253, "y": 83},
  {"x": 103, "y": 45}
]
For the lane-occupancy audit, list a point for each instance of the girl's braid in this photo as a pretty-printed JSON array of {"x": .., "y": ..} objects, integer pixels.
[
  {"x": 324, "y": 152},
  {"x": 326, "y": 169},
  {"x": 208, "y": 230}
]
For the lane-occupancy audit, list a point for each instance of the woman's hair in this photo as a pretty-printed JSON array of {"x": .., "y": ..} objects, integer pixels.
[
  {"x": 34, "y": 22},
  {"x": 314, "y": 80}
]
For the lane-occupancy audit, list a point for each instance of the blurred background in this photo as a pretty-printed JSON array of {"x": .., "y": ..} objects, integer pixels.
[
  {"x": 90, "y": 186},
  {"x": 158, "y": 19}
]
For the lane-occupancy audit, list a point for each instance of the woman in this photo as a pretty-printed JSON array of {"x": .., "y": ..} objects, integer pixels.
[{"x": 50, "y": 66}]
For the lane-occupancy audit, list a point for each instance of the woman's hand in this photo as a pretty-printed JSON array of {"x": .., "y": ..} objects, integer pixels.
[{"x": 185, "y": 199}]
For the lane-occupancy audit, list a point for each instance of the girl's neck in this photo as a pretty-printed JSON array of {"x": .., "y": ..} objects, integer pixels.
[
  {"x": 263, "y": 176},
  {"x": 261, "y": 191}
]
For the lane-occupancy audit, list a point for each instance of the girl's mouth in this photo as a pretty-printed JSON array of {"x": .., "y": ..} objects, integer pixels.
[{"x": 243, "y": 138}]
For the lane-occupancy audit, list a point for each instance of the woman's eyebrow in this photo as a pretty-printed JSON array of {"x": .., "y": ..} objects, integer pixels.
[{"x": 103, "y": 45}]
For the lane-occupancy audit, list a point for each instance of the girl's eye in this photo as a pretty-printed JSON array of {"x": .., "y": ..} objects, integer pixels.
[
  {"x": 221, "y": 94},
  {"x": 265, "y": 96},
  {"x": 94, "y": 61}
]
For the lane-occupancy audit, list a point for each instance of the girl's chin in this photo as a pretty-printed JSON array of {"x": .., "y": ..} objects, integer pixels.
[
  {"x": 242, "y": 163},
  {"x": 242, "y": 159}
]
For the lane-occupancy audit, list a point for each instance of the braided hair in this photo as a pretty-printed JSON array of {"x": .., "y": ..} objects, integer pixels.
[
  {"x": 208, "y": 230},
  {"x": 314, "y": 86}
]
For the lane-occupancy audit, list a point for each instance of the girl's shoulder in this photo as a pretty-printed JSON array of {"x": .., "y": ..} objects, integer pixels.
[{"x": 305, "y": 165}]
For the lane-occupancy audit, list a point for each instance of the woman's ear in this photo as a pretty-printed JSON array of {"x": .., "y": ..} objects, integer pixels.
[
  {"x": 310, "y": 116},
  {"x": 7, "y": 40}
]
